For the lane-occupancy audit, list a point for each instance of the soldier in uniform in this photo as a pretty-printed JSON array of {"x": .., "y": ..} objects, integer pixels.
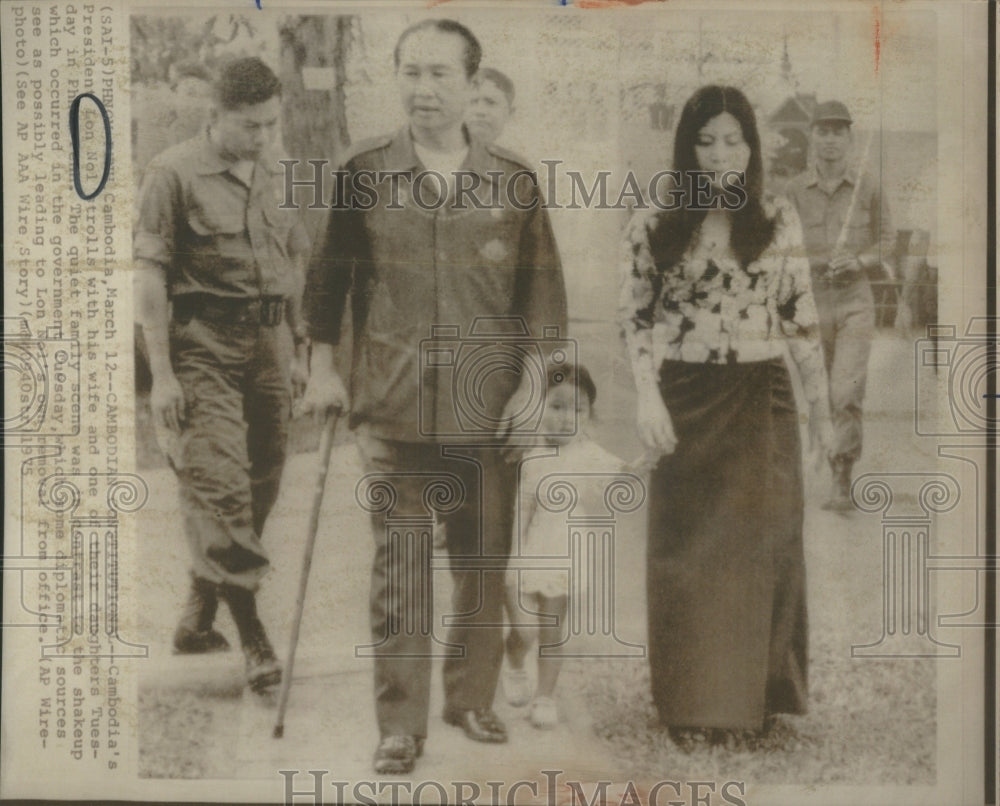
[
  {"x": 219, "y": 290},
  {"x": 417, "y": 251},
  {"x": 492, "y": 105},
  {"x": 846, "y": 229}
]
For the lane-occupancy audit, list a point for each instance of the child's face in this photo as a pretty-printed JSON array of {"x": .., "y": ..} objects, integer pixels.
[{"x": 566, "y": 412}]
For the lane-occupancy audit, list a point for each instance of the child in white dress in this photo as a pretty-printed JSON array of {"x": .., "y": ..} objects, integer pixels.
[{"x": 570, "y": 454}]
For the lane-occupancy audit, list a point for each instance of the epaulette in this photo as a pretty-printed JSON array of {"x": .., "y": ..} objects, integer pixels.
[{"x": 510, "y": 156}]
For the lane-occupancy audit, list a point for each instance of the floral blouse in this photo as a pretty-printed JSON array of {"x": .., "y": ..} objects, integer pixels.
[{"x": 709, "y": 309}]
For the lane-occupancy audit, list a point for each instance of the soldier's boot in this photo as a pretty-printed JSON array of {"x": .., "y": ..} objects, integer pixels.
[
  {"x": 840, "y": 488},
  {"x": 194, "y": 634},
  {"x": 262, "y": 667}
]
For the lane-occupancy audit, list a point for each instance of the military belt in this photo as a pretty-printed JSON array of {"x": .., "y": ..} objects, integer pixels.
[
  {"x": 824, "y": 275},
  {"x": 264, "y": 311}
]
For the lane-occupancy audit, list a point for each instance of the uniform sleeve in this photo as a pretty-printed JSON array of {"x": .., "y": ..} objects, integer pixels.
[
  {"x": 796, "y": 306},
  {"x": 540, "y": 289},
  {"x": 639, "y": 289},
  {"x": 159, "y": 205},
  {"x": 331, "y": 270}
]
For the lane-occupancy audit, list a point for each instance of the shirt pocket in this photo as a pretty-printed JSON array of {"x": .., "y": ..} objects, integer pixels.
[
  {"x": 215, "y": 209},
  {"x": 812, "y": 216}
]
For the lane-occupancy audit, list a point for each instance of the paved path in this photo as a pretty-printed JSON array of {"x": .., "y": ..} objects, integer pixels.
[{"x": 330, "y": 723}]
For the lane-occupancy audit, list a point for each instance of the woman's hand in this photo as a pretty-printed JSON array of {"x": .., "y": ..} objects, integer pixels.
[{"x": 656, "y": 429}]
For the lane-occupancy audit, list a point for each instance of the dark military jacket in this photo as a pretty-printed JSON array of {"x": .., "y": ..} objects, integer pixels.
[{"x": 453, "y": 297}]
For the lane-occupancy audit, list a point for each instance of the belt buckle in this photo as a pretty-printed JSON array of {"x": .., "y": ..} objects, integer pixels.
[{"x": 271, "y": 311}]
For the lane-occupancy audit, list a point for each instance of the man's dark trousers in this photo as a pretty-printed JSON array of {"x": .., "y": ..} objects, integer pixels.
[
  {"x": 236, "y": 382},
  {"x": 406, "y": 633}
]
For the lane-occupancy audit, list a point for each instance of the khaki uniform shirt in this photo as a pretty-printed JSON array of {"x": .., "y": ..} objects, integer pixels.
[
  {"x": 822, "y": 212},
  {"x": 213, "y": 233}
]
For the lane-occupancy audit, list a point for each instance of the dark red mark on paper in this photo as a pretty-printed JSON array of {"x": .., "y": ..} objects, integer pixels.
[
  {"x": 878, "y": 38},
  {"x": 611, "y": 3}
]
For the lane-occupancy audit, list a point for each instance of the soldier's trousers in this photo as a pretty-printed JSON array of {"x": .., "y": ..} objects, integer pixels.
[
  {"x": 406, "y": 634},
  {"x": 231, "y": 450},
  {"x": 847, "y": 326}
]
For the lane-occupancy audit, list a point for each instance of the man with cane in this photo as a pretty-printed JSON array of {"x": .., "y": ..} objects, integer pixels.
[
  {"x": 433, "y": 230},
  {"x": 847, "y": 232}
]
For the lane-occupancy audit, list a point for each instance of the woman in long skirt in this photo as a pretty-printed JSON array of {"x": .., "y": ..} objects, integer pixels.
[{"x": 715, "y": 291}]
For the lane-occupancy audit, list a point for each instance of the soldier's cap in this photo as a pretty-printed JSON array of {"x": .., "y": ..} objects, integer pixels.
[{"x": 833, "y": 111}]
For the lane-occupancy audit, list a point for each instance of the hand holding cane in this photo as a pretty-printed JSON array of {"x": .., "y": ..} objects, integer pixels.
[{"x": 325, "y": 448}]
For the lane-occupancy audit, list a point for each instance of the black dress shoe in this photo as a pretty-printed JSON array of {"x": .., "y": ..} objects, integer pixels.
[
  {"x": 479, "y": 724},
  {"x": 396, "y": 755}
]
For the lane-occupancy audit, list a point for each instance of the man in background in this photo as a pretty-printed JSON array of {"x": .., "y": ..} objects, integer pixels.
[
  {"x": 847, "y": 232},
  {"x": 492, "y": 105},
  {"x": 191, "y": 85},
  {"x": 219, "y": 273}
]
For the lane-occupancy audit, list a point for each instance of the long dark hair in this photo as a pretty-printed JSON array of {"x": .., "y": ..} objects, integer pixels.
[{"x": 751, "y": 230}]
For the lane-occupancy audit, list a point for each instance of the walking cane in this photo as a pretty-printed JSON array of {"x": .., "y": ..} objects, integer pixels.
[
  {"x": 325, "y": 448},
  {"x": 842, "y": 236}
]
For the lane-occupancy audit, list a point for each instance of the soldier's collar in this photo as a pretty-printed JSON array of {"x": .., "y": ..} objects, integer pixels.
[
  {"x": 813, "y": 178},
  {"x": 208, "y": 160}
]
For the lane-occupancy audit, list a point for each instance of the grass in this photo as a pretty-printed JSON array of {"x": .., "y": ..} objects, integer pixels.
[
  {"x": 181, "y": 733},
  {"x": 870, "y": 721}
]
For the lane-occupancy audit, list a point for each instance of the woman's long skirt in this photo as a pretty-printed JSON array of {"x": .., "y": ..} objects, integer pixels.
[{"x": 726, "y": 572}]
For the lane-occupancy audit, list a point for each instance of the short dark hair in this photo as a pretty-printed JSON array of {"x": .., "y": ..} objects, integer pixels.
[
  {"x": 473, "y": 50},
  {"x": 576, "y": 374},
  {"x": 245, "y": 82},
  {"x": 502, "y": 80}
]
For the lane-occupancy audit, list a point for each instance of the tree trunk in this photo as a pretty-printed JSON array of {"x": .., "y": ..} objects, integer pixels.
[{"x": 314, "y": 120}]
